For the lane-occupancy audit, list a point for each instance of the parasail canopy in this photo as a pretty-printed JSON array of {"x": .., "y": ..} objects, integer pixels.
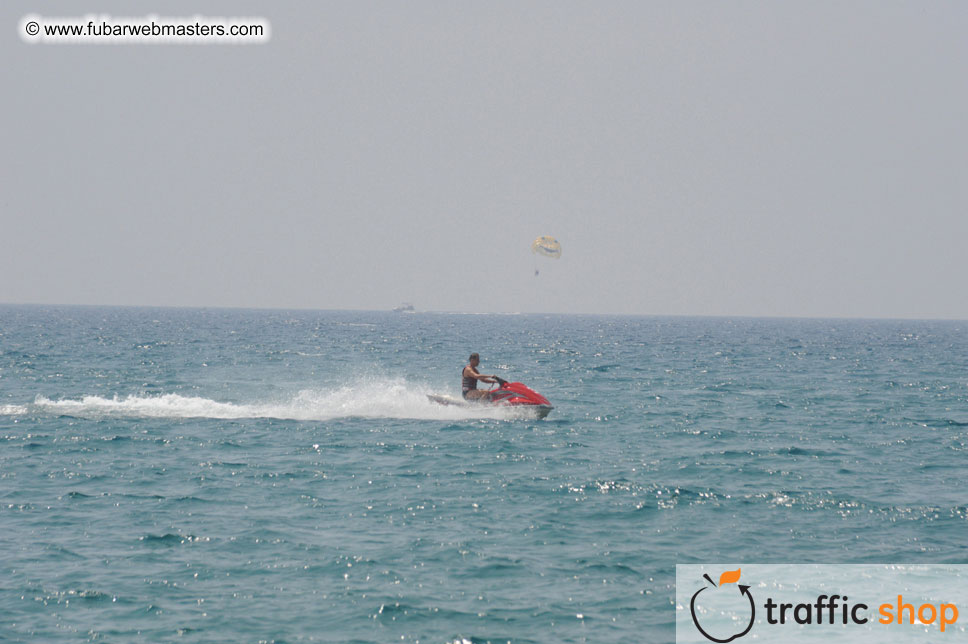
[{"x": 547, "y": 246}]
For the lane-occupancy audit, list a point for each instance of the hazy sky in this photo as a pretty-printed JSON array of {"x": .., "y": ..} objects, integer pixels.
[{"x": 715, "y": 158}]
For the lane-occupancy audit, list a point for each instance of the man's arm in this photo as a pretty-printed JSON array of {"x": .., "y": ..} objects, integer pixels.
[{"x": 474, "y": 374}]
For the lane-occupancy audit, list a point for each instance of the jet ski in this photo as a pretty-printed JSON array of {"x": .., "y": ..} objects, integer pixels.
[{"x": 513, "y": 395}]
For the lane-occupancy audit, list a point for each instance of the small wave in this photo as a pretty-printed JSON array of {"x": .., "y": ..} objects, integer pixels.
[
  {"x": 170, "y": 539},
  {"x": 13, "y": 410},
  {"x": 90, "y": 595},
  {"x": 369, "y": 399},
  {"x": 605, "y": 367},
  {"x": 936, "y": 422}
]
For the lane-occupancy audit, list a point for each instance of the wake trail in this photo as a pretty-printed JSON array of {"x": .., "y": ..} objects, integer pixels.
[{"x": 372, "y": 399}]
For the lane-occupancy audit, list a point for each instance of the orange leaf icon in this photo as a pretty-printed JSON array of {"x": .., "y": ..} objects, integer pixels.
[{"x": 729, "y": 577}]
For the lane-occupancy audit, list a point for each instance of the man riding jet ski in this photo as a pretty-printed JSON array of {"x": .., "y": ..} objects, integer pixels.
[
  {"x": 469, "y": 378},
  {"x": 508, "y": 394}
]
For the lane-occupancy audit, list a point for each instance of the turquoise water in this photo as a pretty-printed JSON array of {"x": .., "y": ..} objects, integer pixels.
[{"x": 245, "y": 476}]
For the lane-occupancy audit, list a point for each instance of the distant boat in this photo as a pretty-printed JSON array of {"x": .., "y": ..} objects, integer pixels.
[{"x": 406, "y": 307}]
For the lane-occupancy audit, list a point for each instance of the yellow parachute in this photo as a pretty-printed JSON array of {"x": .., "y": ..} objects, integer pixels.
[{"x": 547, "y": 246}]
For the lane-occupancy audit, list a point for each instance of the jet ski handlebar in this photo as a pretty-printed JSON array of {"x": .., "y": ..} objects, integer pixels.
[{"x": 500, "y": 381}]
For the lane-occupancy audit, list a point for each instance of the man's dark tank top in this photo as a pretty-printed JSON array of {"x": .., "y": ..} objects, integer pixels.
[{"x": 467, "y": 383}]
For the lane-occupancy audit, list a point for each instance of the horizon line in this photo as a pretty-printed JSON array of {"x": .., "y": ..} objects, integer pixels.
[{"x": 728, "y": 316}]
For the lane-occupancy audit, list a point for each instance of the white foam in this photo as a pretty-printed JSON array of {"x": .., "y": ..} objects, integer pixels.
[{"x": 366, "y": 399}]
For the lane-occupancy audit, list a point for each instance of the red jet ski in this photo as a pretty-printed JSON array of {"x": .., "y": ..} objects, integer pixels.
[{"x": 508, "y": 394}]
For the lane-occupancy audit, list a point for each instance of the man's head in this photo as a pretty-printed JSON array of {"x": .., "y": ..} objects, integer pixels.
[{"x": 475, "y": 359}]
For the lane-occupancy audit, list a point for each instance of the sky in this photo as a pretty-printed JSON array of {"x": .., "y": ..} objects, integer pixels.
[{"x": 794, "y": 159}]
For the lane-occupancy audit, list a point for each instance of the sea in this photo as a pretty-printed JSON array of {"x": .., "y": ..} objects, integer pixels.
[{"x": 222, "y": 475}]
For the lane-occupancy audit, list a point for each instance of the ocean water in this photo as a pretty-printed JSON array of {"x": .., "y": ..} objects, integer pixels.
[{"x": 246, "y": 476}]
